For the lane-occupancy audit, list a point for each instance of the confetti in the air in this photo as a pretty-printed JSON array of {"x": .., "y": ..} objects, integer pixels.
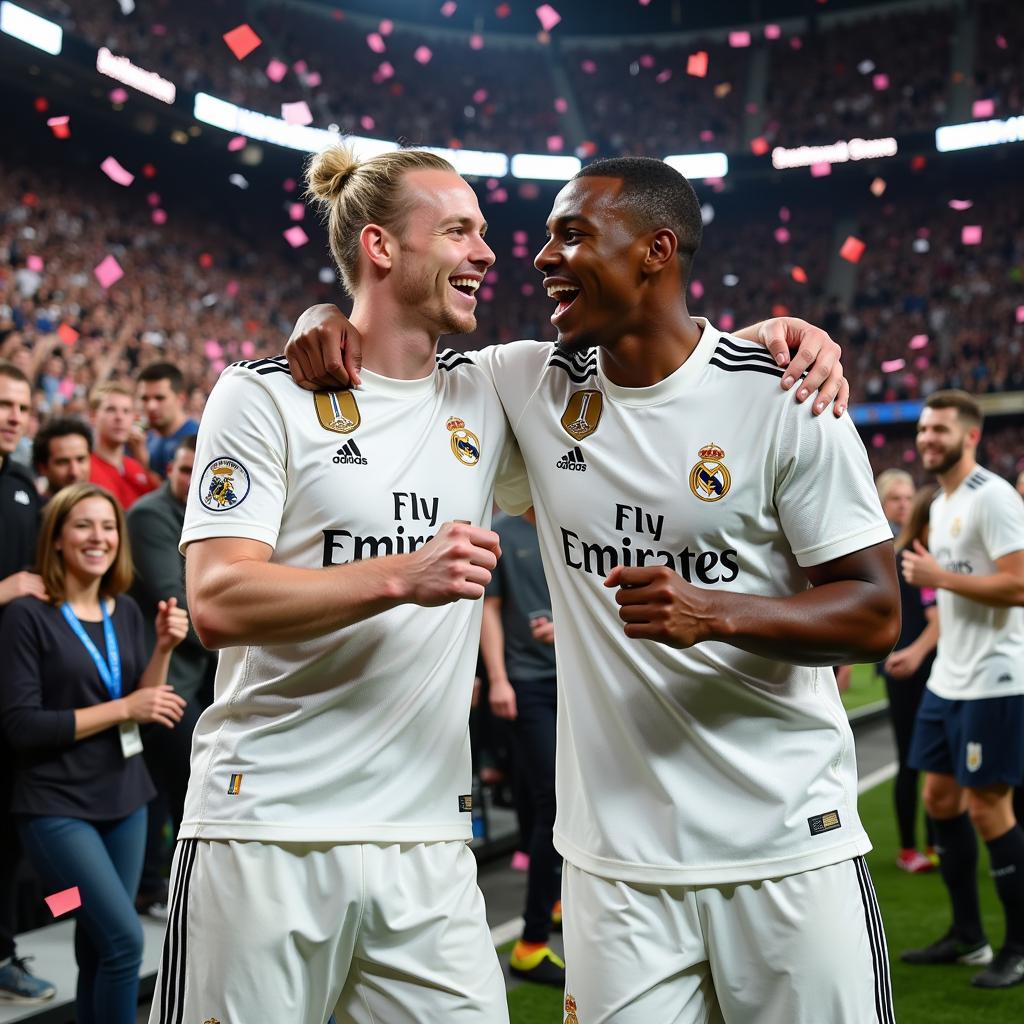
[
  {"x": 241, "y": 41},
  {"x": 555, "y": 143},
  {"x": 296, "y": 211},
  {"x": 772, "y": 31},
  {"x": 971, "y": 234},
  {"x": 548, "y": 17},
  {"x": 67, "y": 334},
  {"x": 35, "y": 263},
  {"x": 237, "y": 143},
  {"x": 852, "y": 249},
  {"x": 297, "y": 113},
  {"x": 759, "y": 146},
  {"x": 295, "y": 236},
  {"x": 696, "y": 289},
  {"x": 878, "y": 186},
  {"x": 118, "y": 95},
  {"x": 422, "y": 54},
  {"x": 799, "y": 275},
  {"x": 60, "y": 126},
  {"x": 919, "y": 341},
  {"x": 159, "y": 217},
  {"x": 782, "y": 235},
  {"x": 313, "y": 79},
  {"x": 375, "y": 41},
  {"x": 386, "y": 27},
  {"x": 739, "y": 39},
  {"x": 476, "y": 41},
  {"x": 276, "y": 70},
  {"x": 961, "y": 204},
  {"x": 65, "y": 901},
  {"x": 893, "y": 365},
  {"x": 983, "y": 108},
  {"x": 697, "y": 64},
  {"x": 588, "y": 67},
  {"x": 448, "y": 8},
  {"x": 821, "y": 169},
  {"x": 116, "y": 173},
  {"x": 1020, "y": 314},
  {"x": 880, "y": 82},
  {"x": 238, "y": 180},
  {"x": 663, "y": 76}
]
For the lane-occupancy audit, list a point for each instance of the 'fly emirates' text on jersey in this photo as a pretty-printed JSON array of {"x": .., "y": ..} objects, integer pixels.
[
  {"x": 708, "y": 765},
  {"x": 981, "y": 647},
  {"x": 360, "y": 735}
]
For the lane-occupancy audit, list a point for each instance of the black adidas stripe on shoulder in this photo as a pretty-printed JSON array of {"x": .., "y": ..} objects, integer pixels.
[
  {"x": 735, "y": 358},
  {"x": 449, "y": 359},
  {"x": 579, "y": 366},
  {"x": 271, "y": 364},
  {"x": 977, "y": 478}
]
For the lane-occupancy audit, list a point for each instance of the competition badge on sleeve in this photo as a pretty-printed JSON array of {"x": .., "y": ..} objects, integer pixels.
[
  {"x": 709, "y": 479},
  {"x": 224, "y": 485},
  {"x": 465, "y": 444}
]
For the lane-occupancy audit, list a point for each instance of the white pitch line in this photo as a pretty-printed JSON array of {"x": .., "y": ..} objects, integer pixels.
[{"x": 502, "y": 933}]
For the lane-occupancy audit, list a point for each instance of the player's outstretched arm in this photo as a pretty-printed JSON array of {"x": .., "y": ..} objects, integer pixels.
[
  {"x": 814, "y": 352},
  {"x": 851, "y": 613},
  {"x": 238, "y": 597}
]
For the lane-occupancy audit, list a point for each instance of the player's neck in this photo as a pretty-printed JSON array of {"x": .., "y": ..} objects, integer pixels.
[
  {"x": 401, "y": 351},
  {"x": 956, "y": 475},
  {"x": 110, "y": 452},
  {"x": 644, "y": 358}
]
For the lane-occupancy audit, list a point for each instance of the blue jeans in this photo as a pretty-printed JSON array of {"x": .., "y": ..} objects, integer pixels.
[{"x": 104, "y": 859}]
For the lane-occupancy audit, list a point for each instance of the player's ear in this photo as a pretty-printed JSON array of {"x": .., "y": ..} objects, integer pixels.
[
  {"x": 377, "y": 243},
  {"x": 662, "y": 247}
]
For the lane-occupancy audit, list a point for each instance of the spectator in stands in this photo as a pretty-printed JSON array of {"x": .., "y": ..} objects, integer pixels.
[
  {"x": 76, "y": 688},
  {"x": 906, "y": 670},
  {"x": 126, "y": 476},
  {"x": 19, "y": 520},
  {"x": 154, "y": 528},
  {"x": 163, "y": 395},
  {"x": 517, "y": 644},
  {"x": 61, "y": 453}
]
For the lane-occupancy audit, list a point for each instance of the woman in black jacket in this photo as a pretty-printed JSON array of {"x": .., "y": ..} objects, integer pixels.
[{"x": 77, "y": 683}]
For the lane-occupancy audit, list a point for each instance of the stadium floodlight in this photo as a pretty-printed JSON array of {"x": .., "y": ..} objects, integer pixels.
[
  {"x": 700, "y": 165},
  {"x": 123, "y": 70},
  {"x": 979, "y": 133},
  {"x": 30, "y": 28},
  {"x": 473, "y": 162},
  {"x": 265, "y": 128},
  {"x": 543, "y": 167}
]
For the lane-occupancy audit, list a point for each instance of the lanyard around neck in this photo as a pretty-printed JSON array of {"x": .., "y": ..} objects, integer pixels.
[{"x": 109, "y": 668}]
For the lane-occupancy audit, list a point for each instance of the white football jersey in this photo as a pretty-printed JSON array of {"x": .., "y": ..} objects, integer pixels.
[
  {"x": 708, "y": 765},
  {"x": 981, "y": 647},
  {"x": 362, "y": 734}
]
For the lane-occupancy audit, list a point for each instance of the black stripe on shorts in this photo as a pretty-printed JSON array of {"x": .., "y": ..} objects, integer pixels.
[
  {"x": 174, "y": 963},
  {"x": 884, "y": 1012}
]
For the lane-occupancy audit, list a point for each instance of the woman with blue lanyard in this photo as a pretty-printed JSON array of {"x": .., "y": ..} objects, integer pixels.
[{"x": 77, "y": 683}]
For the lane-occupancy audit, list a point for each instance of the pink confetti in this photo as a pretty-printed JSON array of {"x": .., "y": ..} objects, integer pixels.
[
  {"x": 384, "y": 71},
  {"x": 476, "y": 41},
  {"x": 297, "y": 113},
  {"x": 35, "y": 263},
  {"x": 288, "y": 184},
  {"x": 1020, "y": 314},
  {"x": 878, "y": 440},
  {"x": 231, "y": 289},
  {"x": 69, "y": 336},
  {"x": 588, "y": 67},
  {"x": 663, "y": 76},
  {"x": 561, "y": 104},
  {"x": 116, "y": 173},
  {"x": 737, "y": 40},
  {"x": 518, "y": 237},
  {"x": 526, "y": 289},
  {"x": 499, "y": 195},
  {"x": 300, "y": 67},
  {"x": 237, "y": 143},
  {"x": 159, "y": 216},
  {"x": 961, "y": 204},
  {"x": 153, "y": 199},
  {"x": 759, "y": 146},
  {"x": 108, "y": 272},
  {"x": 212, "y": 349},
  {"x": 796, "y": 43},
  {"x": 241, "y": 41},
  {"x": 880, "y": 82},
  {"x": 296, "y": 211},
  {"x": 422, "y": 54},
  {"x": 922, "y": 362},
  {"x": 707, "y": 135},
  {"x": 386, "y": 27},
  {"x": 772, "y": 31},
  {"x": 276, "y": 70},
  {"x": 313, "y": 79},
  {"x": 487, "y": 293},
  {"x": 1001, "y": 42},
  {"x": 555, "y": 143},
  {"x": 697, "y": 64},
  {"x": 248, "y": 349},
  {"x": 983, "y": 108},
  {"x": 892, "y": 365},
  {"x": 852, "y": 249},
  {"x": 647, "y": 61},
  {"x": 118, "y": 95},
  {"x": 878, "y": 186},
  {"x": 295, "y": 236},
  {"x": 727, "y": 321},
  {"x": 448, "y": 8},
  {"x": 375, "y": 41},
  {"x": 548, "y": 17},
  {"x": 782, "y": 235},
  {"x": 480, "y": 96},
  {"x": 784, "y": 214},
  {"x": 367, "y": 123},
  {"x": 60, "y": 126},
  {"x": 64, "y": 902},
  {"x": 971, "y": 234},
  {"x": 821, "y": 169},
  {"x": 520, "y": 252},
  {"x": 919, "y": 341},
  {"x": 696, "y": 289}
]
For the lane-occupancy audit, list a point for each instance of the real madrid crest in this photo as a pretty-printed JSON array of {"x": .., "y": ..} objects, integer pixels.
[
  {"x": 337, "y": 411},
  {"x": 709, "y": 478},
  {"x": 465, "y": 444},
  {"x": 583, "y": 413},
  {"x": 570, "y": 1010}
]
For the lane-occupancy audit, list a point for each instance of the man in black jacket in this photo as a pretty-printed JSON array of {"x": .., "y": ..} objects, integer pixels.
[{"x": 19, "y": 521}]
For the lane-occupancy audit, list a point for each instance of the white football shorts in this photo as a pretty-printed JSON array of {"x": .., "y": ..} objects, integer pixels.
[
  {"x": 287, "y": 933},
  {"x": 804, "y": 949}
]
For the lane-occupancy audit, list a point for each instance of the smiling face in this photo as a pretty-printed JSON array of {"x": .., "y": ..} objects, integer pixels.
[
  {"x": 88, "y": 540},
  {"x": 942, "y": 438},
  {"x": 440, "y": 256},
  {"x": 593, "y": 263},
  {"x": 68, "y": 461},
  {"x": 15, "y": 403}
]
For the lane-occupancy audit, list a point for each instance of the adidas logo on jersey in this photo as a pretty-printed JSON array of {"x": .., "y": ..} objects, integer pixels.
[
  {"x": 573, "y": 459},
  {"x": 349, "y": 455}
]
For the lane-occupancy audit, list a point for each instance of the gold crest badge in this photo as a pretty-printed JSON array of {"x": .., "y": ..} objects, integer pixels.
[
  {"x": 583, "y": 413},
  {"x": 337, "y": 411},
  {"x": 465, "y": 444},
  {"x": 956, "y": 527},
  {"x": 709, "y": 478},
  {"x": 212, "y": 1020},
  {"x": 973, "y": 756},
  {"x": 570, "y": 1010}
]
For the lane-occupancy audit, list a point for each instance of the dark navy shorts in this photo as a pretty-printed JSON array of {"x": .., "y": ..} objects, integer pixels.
[{"x": 981, "y": 742}]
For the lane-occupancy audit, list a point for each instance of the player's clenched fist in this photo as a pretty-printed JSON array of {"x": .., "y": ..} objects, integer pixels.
[
  {"x": 457, "y": 562},
  {"x": 658, "y": 604}
]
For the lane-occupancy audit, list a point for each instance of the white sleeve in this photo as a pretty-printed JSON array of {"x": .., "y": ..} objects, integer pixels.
[
  {"x": 1002, "y": 520},
  {"x": 239, "y": 484},
  {"x": 824, "y": 491},
  {"x": 516, "y": 370}
]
